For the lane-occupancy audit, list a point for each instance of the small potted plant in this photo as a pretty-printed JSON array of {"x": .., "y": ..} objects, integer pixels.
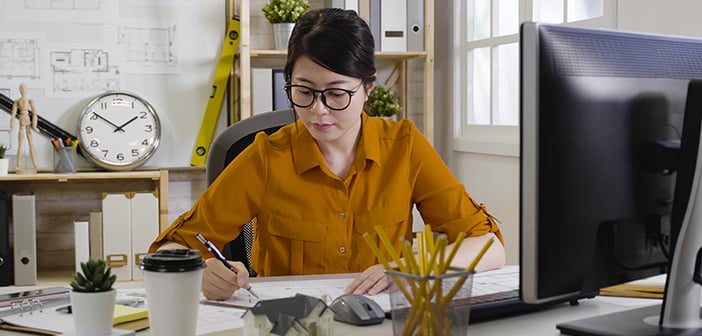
[
  {"x": 382, "y": 102},
  {"x": 283, "y": 14},
  {"x": 93, "y": 298},
  {"x": 4, "y": 162}
]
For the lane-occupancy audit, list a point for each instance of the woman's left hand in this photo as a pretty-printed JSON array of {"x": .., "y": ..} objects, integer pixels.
[{"x": 372, "y": 281}]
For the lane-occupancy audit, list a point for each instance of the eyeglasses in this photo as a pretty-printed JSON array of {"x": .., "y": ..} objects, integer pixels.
[{"x": 333, "y": 98}]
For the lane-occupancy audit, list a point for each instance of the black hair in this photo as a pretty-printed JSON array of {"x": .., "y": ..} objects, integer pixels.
[{"x": 336, "y": 39}]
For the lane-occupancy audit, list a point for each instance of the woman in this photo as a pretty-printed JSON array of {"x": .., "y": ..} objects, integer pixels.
[{"x": 316, "y": 186}]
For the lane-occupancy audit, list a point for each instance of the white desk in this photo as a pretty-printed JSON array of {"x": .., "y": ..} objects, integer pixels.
[
  {"x": 541, "y": 323},
  {"x": 537, "y": 323}
]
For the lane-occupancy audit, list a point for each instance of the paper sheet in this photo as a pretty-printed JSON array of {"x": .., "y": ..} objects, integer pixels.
[{"x": 325, "y": 289}]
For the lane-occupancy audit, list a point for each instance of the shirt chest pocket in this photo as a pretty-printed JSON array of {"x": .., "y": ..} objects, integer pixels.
[
  {"x": 393, "y": 221},
  {"x": 290, "y": 242}
]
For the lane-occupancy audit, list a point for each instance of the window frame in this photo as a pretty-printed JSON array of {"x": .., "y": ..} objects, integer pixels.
[{"x": 495, "y": 139}]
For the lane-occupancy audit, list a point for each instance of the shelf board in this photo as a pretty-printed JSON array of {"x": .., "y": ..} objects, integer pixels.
[
  {"x": 132, "y": 175},
  {"x": 277, "y": 58}
]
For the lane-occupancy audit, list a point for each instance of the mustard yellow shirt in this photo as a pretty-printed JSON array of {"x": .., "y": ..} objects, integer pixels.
[{"x": 309, "y": 221}]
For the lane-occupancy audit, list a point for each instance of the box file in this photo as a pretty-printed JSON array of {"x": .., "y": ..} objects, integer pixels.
[
  {"x": 117, "y": 234},
  {"x": 130, "y": 224},
  {"x": 144, "y": 222},
  {"x": 24, "y": 239},
  {"x": 393, "y": 25},
  {"x": 374, "y": 23},
  {"x": 415, "y": 25},
  {"x": 81, "y": 237},
  {"x": 6, "y": 262},
  {"x": 95, "y": 234}
]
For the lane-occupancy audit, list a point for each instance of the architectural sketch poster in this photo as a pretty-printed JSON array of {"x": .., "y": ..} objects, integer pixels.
[{"x": 69, "y": 51}]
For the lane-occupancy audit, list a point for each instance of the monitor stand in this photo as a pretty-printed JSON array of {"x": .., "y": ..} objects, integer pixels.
[{"x": 633, "y": 322}]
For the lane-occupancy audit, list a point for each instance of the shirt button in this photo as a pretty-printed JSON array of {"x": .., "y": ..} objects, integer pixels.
[
  {"x": 342, "y": 249},
  {"x": 342, "y": 215}
]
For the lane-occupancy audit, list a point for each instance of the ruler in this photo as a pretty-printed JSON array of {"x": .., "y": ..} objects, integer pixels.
[{"x": 219, "y": 86}]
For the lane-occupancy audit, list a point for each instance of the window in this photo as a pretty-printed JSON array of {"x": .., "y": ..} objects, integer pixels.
[{"x": 489, "y": 56}]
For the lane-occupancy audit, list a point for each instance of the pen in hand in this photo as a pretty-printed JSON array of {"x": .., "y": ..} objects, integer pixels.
[{"x": 213, "y": 249}]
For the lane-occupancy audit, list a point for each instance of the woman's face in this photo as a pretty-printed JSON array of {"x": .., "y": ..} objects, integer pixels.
[{"x": 326, "y": 125}]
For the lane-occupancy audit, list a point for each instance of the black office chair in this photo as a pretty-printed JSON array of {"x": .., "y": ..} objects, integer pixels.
[{"x": 224, "y": 149}]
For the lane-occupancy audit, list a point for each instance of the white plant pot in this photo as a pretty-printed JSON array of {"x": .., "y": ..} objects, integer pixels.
[
  {"x": 4, "y": 165},
  {"x": 281, "y": 35},
  {"x": 93, "y": 313}
]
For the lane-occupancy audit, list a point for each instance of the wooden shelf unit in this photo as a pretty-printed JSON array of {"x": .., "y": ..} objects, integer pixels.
[
  {"x": 248, "y": 58},
  {"x": 158, "y": 178}
]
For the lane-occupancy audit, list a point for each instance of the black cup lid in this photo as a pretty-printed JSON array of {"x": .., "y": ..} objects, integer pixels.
[{"x": 179, "y": 260}]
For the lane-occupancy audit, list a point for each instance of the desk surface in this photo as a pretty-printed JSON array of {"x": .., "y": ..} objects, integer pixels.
[{"x": 537, "y": 323}]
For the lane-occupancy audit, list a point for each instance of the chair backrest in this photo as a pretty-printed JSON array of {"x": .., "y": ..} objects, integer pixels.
[{"x": 225, "y": 148}]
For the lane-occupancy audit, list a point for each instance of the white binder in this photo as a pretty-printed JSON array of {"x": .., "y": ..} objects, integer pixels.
[
  {"x": 117, "y": 234},
  {"x": 261, "y": 93},
  {"x": 415, "y": 25},
  {"x": 81, "y": 237},
  {"x": 24, "y": 239},
  {"x": 393, "y": 25},
  {"x": 144, "y": 221}
]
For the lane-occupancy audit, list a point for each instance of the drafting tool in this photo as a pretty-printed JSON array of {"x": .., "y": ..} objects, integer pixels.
[
  {"x": 219, "y": 85},
  {"x": 45, "y": 127}
]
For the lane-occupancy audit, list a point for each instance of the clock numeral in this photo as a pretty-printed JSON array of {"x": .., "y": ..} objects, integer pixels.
[
  {"x": 93, "y": 116},
  {"x": 94, "y": 143},
  {"x": 120, "y": 156},
  {"x": 142, "y": 115},
  {"x": 103, "y": 105},
  {"x": 105, "y": 151},
  {"x": 145, "y": 142},
  {"x": 149, "y": 128},
  {"x": 89, "y": 129},
  {"x": 135, "y": 152}
]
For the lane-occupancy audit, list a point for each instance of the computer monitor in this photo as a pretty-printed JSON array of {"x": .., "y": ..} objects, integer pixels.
[{"x": 604, "y": 187}]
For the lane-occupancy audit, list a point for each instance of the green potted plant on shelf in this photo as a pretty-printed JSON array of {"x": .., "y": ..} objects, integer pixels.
[
  {"x": 93, "y": 298},
  {"x": 382, "y": 102},
  {"x": 283, "y": 14},
  {"x": 4, "y": 162}
]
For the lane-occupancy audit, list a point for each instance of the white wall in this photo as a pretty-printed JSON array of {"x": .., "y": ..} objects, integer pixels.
[{"x": 494, "y": 180}]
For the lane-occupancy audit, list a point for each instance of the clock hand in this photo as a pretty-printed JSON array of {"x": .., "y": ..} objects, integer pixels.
[
  {"x": 120, "y": 128},
  {"x": 109, "y": 122}
]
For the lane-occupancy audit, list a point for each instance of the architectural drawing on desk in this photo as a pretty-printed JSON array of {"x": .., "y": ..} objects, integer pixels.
[
  {"x": 79, "y": 71},
  {"x": 152, "y": 50},
  {"x": 19, "y": 58}
]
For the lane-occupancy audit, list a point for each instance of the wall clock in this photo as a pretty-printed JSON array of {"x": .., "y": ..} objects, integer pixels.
[{"x": 118, "y": 130}]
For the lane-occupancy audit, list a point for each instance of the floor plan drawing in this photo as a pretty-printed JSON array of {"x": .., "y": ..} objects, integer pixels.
[
  {"x": 20, "y": 59},
  {"x": 83, "y": 70},
  {"x": 149, "y": 49},
  {"x": 62, "y": 4}
]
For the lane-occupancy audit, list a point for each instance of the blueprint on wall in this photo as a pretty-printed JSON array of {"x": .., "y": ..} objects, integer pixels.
[{"x": 69, "y": 51}]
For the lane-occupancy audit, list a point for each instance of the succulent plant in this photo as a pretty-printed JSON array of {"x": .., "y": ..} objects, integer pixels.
[{"x": 95, "y": 277}]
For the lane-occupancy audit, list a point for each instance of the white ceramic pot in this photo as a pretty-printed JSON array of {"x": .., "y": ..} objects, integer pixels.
[
  {"x": 4, "y": 164},
  {"x": 281, "y": 35},
  {"x": 93, "y": 312}
]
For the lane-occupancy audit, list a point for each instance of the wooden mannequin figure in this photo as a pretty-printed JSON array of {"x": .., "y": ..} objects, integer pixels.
[{"x": 23, "y": 105}]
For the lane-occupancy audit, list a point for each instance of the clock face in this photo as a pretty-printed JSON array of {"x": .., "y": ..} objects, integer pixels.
[{"x": 119, "y": 130}]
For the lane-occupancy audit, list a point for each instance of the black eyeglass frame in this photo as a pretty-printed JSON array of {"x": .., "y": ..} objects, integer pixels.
[{"x": 315, "y": 93}]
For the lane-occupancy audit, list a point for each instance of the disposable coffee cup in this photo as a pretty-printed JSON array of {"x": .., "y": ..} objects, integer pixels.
[{"x": 172, "y": 279}]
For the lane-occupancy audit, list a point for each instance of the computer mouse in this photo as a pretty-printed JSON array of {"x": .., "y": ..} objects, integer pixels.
[{"x": 357, "y": 310}]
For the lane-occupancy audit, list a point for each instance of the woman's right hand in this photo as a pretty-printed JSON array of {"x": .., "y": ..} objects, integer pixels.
[{"x": 219, "y": 282}]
